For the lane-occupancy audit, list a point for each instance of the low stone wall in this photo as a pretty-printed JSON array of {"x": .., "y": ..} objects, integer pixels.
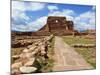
[
  {"x": 20, "y": 43},
  {"x": 83, "y": 45},
  {"x": 27, "y": 60}
]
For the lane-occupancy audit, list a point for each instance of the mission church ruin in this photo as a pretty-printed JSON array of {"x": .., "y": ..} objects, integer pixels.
[{"x": 55, "y": 25}]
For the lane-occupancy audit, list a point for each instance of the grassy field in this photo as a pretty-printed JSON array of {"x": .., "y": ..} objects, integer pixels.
[
  {"x": 78, "y": 40},
  {"x": 89, "y": 54}
]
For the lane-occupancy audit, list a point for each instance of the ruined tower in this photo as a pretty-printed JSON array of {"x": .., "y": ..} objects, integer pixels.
[{"x": 58, "y": 26}]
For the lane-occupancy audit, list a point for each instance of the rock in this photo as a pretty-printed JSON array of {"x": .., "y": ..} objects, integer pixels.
[
  {"x": 34, "y": 52},
  {"x": 29, "y": 46},
  {"x": 43, "y": 52},
  {"x": 40, "y": 43},
  {"x": 15, "y": 56},
  {"x": 30, "y": 62},
  {"x": 36, "y": 44},
  {"x": 15, "y": 72},
  {"x": 32, "y": 48},
  {"x": 42, "y": 47},
  {"x": 26, "y": 55},
  {"x": 25, "y": 69},
  {"x": 16, "y": 65},
  {"x": 25, "y": 50},
  {"x": 29, "y": 55}
]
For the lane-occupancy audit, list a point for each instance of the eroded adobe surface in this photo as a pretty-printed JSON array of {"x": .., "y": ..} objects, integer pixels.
[{"x": 58, "y": 26}]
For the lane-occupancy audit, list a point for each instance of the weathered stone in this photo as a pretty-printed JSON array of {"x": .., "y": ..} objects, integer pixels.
[
  {"x": 84, "y": 45},
  {"x": 35, "y": 51},
  {"x": 40, "y": 43},
  {"x": 26, "y": 55},
  {"x": 25, "y": 50},
  {"x": 16, "y": 65},
  {"x": 30, "y": 62},
  {"x": 29, "y": 46},
  {"x": 15, "y": 56},
  {"x": 42, "y": 47},
  {"x": 58, "y": 26},
  {"x": 32, "y": 48},
  {"x": 15, "y": 72},
  {"x": 43, "y": 52},
  {"x": 25, "y": 69}
]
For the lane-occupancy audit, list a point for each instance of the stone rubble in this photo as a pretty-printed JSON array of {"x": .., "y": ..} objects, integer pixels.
[
  {"x": 28, "y": 56},
  {"x": 84, "y": 45},
  {"x": 25, "y": 69}
]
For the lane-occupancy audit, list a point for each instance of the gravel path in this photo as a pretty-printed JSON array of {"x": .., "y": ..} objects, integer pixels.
[{"x": 66, "y": 58}]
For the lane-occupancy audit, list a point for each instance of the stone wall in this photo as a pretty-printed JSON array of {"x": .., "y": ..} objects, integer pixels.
[{"x": 26, "y": 61}]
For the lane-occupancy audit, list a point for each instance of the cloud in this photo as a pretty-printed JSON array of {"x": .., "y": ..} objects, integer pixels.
[
  {"x": 85, "y": 21},
  {"x": 31, "y": 26},
  {"x": 94, "y": 7},
  {"x": 19, "y": 15},
  {"x": 26, "y": 6},
  {"x": 20, "y": 20},
  {"x": 19, "y": 8},
  {"x": 52, "y": 7},
  {"x": 39, "y": 23},
  {"x": 66, "y": 12}
]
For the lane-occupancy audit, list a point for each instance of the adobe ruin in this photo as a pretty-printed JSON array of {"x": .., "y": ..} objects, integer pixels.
[{"x": 56, "y": 25}]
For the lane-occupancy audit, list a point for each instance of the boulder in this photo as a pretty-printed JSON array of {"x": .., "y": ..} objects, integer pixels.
[
  {"x": 30, "y": 62},
  {"x": 43, "y": 52},
  {"x": 15, "y": 72},
  {"x": 26, "y": 55},
  {"x": 42, "y": 47},
  {"x": 32, "y": 48},
  {"x": 29, "y": 46},
  {"x": 15, "y": 56},
  {"x": 16, "y": 65},
  {"x": 25, "y": 69},
  {"x": 25, "y": 50}
]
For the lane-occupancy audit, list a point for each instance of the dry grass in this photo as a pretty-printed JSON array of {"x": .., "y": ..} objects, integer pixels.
[
  {"x": 89, "y": 54},
  {"x": 78, "y": 39}
]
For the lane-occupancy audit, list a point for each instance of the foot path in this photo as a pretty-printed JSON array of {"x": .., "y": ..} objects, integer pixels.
[{"x": 66, "y": 58}]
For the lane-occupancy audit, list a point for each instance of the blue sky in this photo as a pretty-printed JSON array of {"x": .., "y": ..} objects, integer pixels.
[{"x": 31, "y": 16}]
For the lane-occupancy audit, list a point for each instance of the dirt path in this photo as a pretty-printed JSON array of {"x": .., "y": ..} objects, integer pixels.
[{"x": 66, "y": 58}]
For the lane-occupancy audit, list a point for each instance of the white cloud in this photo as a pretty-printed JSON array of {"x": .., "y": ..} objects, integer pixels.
[
  {"x": 52, "y": 8},
  {"x": 35, "y": 6},
  {"x": 85, "y": 21},
  {"x": 18, "y": 13},
  {"x": 19, "y": 8},
  {"x": 94, "y": 7},
  {"x": 39, "y": 23},
  {"x": 67, "y": 13},
  {"x": 31, "y": 26},
  {"x": 25, "y": 6}
]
